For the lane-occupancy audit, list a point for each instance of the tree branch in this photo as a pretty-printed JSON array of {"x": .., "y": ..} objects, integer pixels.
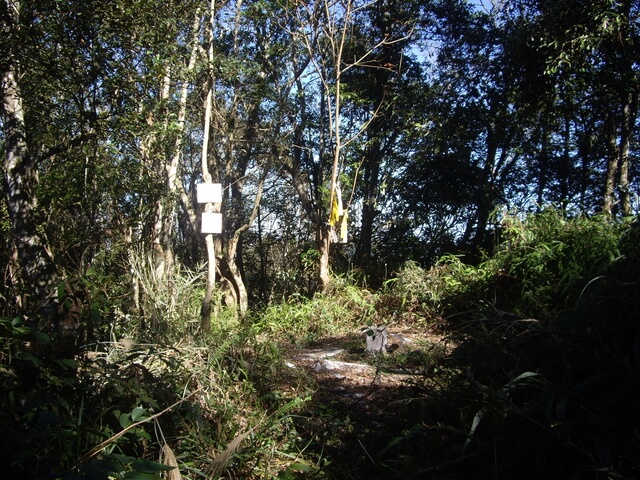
[{"x": 66, "y": 145}]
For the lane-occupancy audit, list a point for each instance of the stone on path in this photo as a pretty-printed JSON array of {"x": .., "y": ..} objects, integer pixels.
[{"x": 376, "y": 339}]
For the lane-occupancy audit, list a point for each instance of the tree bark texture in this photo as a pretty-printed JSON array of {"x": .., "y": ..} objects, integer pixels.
[
  {"x": 630, "y": 112},
  {"x": 324, "y": 245},
  {"x": 36, "y": 269},
  {"x": 205, "y": 312}
]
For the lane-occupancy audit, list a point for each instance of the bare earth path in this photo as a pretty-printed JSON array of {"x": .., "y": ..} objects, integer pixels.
[{"x": 360, "y": 402}]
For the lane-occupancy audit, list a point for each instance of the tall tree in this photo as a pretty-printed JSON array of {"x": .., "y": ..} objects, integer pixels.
[
  {"x": 590, "y": 57},
  {"x": 247, "y": 86},
  {"x": 380, "y": 86},
  {"x": 21, "y": 164},
  {"x": 333, "y": 35}
]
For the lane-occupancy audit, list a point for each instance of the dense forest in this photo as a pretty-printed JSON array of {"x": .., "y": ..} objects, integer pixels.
[{"x": 463, "y": 172}]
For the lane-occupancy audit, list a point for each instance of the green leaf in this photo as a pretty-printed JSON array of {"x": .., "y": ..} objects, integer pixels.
[
  {"x": 147, "y": 399},
  {"x": 100, "y": 469},
  {"x": 40, "y": 337},
  {"x": 62, "y": 290},
  {"x": 123, "y": 459},
  {"x": 35, "y": 361},
  {"x": 125, "y": 420},
  {"x": 69, "y": 362},
  {"x": 140, "y": 432},
  {"x": 138, "y": 414},
  {"x": 301, "y": 467},
  {"x": 139, "y": 476},
  {"x": 91, "y": 272}
]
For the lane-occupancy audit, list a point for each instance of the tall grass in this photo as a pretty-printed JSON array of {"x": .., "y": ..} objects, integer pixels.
[
  {"x": 548, "y": 260},
  {"x": 343, "y": 309}
]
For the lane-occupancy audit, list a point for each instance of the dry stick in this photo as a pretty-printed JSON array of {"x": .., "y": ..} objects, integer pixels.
[
  {"x": 370, "y": 457},
  {"x": 101, "y": 445}
]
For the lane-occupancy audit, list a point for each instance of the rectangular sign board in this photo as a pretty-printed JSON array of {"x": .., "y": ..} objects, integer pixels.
[
  {"x": 209, "y": 192},
  {"x": 211, "y": 222}
]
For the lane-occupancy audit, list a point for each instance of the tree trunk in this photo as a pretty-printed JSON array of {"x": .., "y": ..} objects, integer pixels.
[
  {"x": 205, "y": 312},
  {"x": 36, "y": 269},
  {"x": 162, "y": 226},
  {"x": 612, "y": 169},
  {"x": 233, "y": 254},
  {"x": 543, "y": 170},
  {"x": 565, "y": 165},
  {"x": 379, "y": 127},
  {"x": 371, "y": 179},
  {"x": 167, "y": 204},
  {"x": 324, "y": 245},
  {"x": 622, "y": 57},
  {"x": 236, "y": 275},
  {"x": 618, "y": 161},
  {"x": 486, "y": 190},
  {"x": 630, "y": 112}
]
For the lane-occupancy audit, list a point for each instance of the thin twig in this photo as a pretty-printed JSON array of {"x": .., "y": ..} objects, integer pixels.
[
  {"x": 367, "y": 453},
  {"x": 95, "y": 450}
]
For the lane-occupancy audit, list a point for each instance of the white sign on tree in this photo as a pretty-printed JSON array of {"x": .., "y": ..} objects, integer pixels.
[
  {"x": 211, "y": 222},
  {"x": 210, "y": 193}
]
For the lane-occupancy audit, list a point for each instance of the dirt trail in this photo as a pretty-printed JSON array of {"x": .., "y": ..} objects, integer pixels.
[
  {"x": 361, "y": 402},
  {"x": 344, "y": 360}
]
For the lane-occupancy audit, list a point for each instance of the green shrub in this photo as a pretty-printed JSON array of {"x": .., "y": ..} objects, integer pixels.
[
  {"x": 343, "y": 309},
  {"x": 547, "y": 260},
  {"x": 108, "y": 413},
  {"x": 541, "y": 268},
  {"x": 448, "y": 287},
  {"x": 543, "y": 376}
]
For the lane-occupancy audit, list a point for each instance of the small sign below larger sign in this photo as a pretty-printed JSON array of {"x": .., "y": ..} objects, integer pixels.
[
  {"x": 211, "y": 222},
  {"x": 209, "y": 192}
]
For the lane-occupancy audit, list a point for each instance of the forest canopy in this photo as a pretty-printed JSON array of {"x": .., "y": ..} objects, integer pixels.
[{"x": 429, "y": 121}]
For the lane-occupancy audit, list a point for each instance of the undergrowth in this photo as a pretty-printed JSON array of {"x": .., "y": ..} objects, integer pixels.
[
  {"x": 214, "y": 408},
  {"x": 342, "y": 310},
  {"x": 543, "y": 379},
  {"x": 536, "y": 375}
]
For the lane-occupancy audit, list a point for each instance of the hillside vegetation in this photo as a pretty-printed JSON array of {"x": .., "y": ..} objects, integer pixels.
[{"x": 525, "y": 364}]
